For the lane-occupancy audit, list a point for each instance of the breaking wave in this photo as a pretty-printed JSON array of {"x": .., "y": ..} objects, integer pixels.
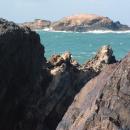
[{"x": 95, "y": 31}]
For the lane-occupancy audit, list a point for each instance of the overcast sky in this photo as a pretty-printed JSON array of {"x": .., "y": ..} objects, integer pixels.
[{"x": 27, "y": 10}]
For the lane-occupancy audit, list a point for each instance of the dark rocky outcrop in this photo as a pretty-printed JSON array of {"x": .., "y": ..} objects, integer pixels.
[
  {"x": 87, "y": 22},
  {"x": 103, "y": 103},
  {"x": 37, "y": 24},
  {"x": 23, "y": 77}
]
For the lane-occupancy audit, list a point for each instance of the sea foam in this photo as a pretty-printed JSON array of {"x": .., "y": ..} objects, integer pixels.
[{"x": 94, "y": 31}]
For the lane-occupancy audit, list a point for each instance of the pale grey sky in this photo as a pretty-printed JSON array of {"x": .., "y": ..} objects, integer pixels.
[{"x": 27, "y": 10}]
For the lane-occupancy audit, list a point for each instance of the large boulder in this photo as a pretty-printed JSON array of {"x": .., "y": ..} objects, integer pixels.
[{"x": 103, "y": 103}]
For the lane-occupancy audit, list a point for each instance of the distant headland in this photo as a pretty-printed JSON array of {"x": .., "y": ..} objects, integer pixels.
[{"x": 78, "y": 23}]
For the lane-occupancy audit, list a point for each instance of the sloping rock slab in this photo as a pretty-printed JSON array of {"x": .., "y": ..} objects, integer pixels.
[{"x": 104, "y": 102}]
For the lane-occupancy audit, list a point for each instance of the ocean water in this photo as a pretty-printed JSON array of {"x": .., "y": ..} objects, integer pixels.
[{"x": 83, "y": 46}]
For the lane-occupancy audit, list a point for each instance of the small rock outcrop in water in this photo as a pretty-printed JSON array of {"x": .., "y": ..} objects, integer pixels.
[
  {"x": 103, "y": 103},
  {"x": 37, "y": 24},
  {"x": 87, "y": 22}
]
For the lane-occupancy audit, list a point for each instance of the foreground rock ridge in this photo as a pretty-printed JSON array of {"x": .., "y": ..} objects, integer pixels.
[
  {"x": 23, "y": 77},
  {"x": 79, "y": 23},
  {"x": 36, "y": 94},
  {"x": 103, "y": 103}
]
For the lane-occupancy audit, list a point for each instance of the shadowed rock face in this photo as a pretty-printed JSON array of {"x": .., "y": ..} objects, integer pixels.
[
  {"x": 23, "y": 77},
  {"x": 87, "y": 22},
  {"x": 103, "y": 103}
]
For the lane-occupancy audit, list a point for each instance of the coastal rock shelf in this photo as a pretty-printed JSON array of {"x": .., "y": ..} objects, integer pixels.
[
  {"x": 36, "y": 94},
  {"x": 79, "y": 23}
]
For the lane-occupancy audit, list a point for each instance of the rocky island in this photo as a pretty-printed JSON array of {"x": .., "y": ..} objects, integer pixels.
[
  {"x": 59, "y": 93},
  {"x": 37, "y": 24},
  {"x": 79, "y": 23},
  {"x": 88, "y": 22}
]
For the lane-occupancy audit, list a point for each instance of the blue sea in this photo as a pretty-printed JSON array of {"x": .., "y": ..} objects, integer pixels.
[{"x": 83, "y": 46}]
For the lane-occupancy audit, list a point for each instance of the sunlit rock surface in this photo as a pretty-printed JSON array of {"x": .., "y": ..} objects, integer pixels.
[{"x": 87, "y": 22}]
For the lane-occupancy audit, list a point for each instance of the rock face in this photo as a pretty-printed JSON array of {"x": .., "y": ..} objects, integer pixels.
[
  {"x": 37, "y": 24},
  {"x": 34, "y": 93},
  {"x": 68, "y": 78},
  {"x": 87, "y": 22},
  {"x": 103, "y": 103},
  {"x": 23, "y": 77},
  {"x": 103, "y": 57}
]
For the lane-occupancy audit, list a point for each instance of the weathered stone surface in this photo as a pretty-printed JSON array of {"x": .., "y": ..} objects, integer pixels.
[
  {"x": 57, "y": 60},
  {"x": 103, "y": 57},
  {"x": 68, "y": 79},
  {"x": 87, "y": 22},
  {"x": 103, "y": 103},
  {"x": 66, "y": 83}
]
